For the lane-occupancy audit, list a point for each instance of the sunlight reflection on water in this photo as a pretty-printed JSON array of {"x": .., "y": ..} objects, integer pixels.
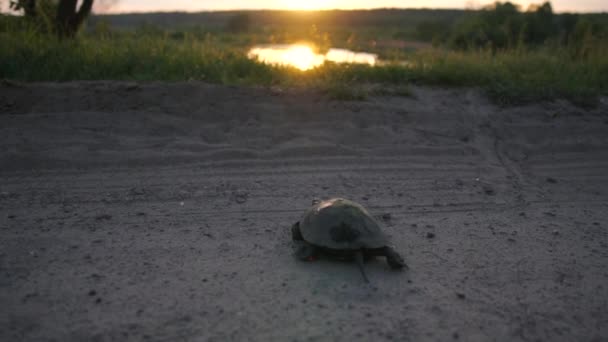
[{"x": 304, "y": 58}]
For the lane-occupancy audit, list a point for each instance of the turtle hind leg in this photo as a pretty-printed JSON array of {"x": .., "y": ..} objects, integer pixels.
[
  {"x": 359, "y": 260},
  {"x": 393, "y": 258},
  {"x": 306, "y": 252},
  {"x": 296, "y": 235}
]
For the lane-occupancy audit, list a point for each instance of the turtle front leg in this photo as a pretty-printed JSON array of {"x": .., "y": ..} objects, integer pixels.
[
  {"x": 393, "y": 258},
  {"x": 296, "y": 235},
  {"x": 306, "y": 252}
]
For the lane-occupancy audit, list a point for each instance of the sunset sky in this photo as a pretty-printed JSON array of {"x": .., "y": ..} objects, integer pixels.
[
  {"x": 194, "y": 5},
  {"x": 203, "y": 5}
]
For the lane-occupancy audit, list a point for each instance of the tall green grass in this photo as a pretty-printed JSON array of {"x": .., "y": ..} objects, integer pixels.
[{"x": 510, "y": 76}]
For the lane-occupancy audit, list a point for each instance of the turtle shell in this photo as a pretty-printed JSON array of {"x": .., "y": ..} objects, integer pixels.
[{"x": 341, "y": 224}]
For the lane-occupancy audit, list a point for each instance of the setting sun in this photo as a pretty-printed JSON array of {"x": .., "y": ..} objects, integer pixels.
[{"x": 308, "y": 5}]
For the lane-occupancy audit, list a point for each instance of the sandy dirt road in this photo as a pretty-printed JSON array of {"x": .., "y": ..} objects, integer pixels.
[{"x": 161, "y": 212}]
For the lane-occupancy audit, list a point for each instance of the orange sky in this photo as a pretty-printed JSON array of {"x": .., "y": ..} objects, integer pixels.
[
  {"x": 194, "y": 5},
  {"x": 206, "y": 5}
]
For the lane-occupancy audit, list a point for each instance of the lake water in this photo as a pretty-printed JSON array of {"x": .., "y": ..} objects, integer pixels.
[{"x": 304, "y": 58}]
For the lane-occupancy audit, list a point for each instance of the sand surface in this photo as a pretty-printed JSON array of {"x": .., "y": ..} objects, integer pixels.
[{"x": 161, "y": 212}]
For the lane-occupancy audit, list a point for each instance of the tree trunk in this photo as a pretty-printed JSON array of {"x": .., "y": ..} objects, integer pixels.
[
  {"x": 69, "y": 18},
  {"x": 29, "y": 8}
]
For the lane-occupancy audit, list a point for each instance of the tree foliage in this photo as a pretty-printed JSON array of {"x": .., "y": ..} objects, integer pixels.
[{"x": 504, "y": 25}]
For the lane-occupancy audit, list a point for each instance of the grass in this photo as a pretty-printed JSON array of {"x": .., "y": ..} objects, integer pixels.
[{"x": 508, "y": 77}]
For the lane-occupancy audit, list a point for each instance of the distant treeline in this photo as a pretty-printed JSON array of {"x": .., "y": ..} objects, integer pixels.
[
  {"x": 497, "y": 26},
  {"x": 273, "y": 19},
  {"x": 502, "y": 25},
  {"x": 505, "y": 25}
]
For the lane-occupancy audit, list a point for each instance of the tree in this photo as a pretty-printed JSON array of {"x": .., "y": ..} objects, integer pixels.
[
  {"x": 503, "y": 25},
  {"x": 68, "y": 17},
  {"x": 497, "y": 26},
  {"x": 540, "y": 23}
]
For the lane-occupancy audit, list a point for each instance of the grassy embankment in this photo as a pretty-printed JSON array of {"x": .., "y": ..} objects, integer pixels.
[{"x": 509, "y": 76}]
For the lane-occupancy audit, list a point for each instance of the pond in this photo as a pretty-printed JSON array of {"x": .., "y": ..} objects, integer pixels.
[{"x": 304, "y": 58}]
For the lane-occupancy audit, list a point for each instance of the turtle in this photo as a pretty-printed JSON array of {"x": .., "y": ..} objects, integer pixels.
[{"x": 344, "y": 229}]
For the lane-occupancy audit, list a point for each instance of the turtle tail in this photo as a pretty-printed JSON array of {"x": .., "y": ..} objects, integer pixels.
[{"x": 359, "y": 260}]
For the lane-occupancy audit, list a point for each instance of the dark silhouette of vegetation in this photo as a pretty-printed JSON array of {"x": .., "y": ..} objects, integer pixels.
[
  {"x": 63, "y": 18},
  {"x": 432, "y": 31},
  {"x": 239, "y": 23},
  {"x": 276, "y": 20},
  {"x": 504, "y": 25}
]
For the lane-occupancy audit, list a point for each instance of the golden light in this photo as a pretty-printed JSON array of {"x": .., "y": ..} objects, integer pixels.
[
  {"x": 302, "y": 57},
  {"x": 298, "y": 55},
  {"x": 308, "y": 5}
]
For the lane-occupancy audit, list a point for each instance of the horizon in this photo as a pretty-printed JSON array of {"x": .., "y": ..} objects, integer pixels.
[
  {"x": 126, "y": 6},
  {"x": 156, "y": 6}
]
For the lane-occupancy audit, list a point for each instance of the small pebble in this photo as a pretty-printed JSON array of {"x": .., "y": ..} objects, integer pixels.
[
  {"x": 489, "y": 190},
  {"x": 461, "y": 295},
  {"x": 240, "y": 199},
  {"x": 103, "y": 217},
  {"x": 430, "y": 235}
]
